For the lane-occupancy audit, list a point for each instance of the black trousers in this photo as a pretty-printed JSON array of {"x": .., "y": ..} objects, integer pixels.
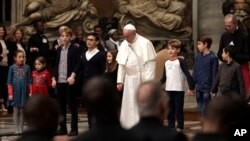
[
  {"x": 66, "y": 95},
  {"x": 176, "y": 103}
]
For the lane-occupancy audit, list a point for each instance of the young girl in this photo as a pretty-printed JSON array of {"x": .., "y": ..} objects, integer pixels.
[
  {"x": 18, "y": 88},
  {"x": 111, "y": 66},
  {"x": 41, "y": 78}
]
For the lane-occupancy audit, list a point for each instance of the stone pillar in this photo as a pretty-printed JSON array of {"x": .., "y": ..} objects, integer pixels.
[
  {"x": 210, "y": 21},
  {"x": 17, "y": 10}
]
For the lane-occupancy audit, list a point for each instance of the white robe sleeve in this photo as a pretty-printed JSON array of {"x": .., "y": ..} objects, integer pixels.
[
  {"x": 121, "y": 74},
  {"x": 149, "y": 70}
]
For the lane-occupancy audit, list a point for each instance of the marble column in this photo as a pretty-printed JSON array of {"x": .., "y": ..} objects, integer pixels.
[
  {"x": 17, "y": 10},
  {"x": 209, "y": 21}
]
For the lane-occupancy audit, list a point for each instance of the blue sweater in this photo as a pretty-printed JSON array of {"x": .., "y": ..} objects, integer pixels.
[{"x": 205, "y": 69}]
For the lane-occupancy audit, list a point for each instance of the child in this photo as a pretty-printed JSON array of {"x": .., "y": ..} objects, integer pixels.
[
  {"x": 41, "y": 79},
  {"x": 205, "y": 69},
  {"x": 111, "y": 66},
  {"x": 18, "y": 88},
  {"x": 66, "y": 68},
  {"x": 174, "y": 75},
  {"x": 229, "y": 78}
]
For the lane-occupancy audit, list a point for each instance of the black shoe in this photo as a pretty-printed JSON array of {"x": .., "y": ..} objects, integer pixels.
[
  {"x": 61, "y": 132},
  {"x": 73, "y": 133}
]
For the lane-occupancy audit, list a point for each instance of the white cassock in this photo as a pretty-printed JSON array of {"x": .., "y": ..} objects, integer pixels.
[{"x": 136, "y": 64}]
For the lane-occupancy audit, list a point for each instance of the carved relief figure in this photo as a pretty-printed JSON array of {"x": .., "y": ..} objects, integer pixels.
[
  {"x": 165, "y": 14},
  {"x": 56, "y": 12}
]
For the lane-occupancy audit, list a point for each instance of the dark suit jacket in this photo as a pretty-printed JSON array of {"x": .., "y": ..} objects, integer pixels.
[
  {"x": 73, "y": 61},
  {"x": 152, "y": 129},
  {"x": 93, "y": 67},
  {"x": 108, "y": 131}
]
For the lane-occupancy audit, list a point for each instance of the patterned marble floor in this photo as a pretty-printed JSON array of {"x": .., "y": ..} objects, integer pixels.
[{"x": 192, "y": 124}]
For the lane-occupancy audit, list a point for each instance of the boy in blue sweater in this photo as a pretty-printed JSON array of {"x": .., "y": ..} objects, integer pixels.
[{"x": 204, "y": 73}]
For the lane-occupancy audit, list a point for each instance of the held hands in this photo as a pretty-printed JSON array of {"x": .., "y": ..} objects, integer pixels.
[
  {"x": 191, "y": 92},
  {"x": 71, "y": 80},
  {"x": 53, "y": 83},
  {"x": 212, "y": 95},
  {"x": 34, "y": 49},
  {"x": 119, "y": 86},
  {"x": 10, "y": 97}
]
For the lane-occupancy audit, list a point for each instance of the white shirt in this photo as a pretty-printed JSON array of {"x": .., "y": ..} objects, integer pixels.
[
  {"x": 90, "y": 54},
  {"x": 4, "y": 54}
]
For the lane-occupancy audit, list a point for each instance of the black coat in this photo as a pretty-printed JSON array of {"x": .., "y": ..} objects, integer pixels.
[
  {"x": 152, "y": 129},
  {"x": 73, "y": 61}
]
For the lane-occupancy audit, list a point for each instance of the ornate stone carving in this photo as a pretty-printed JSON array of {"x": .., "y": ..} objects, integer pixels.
[
  {"x": 241, "y": 8},
  {"x": 157, "y": 19},
  {"x": 60, "y": 12}
]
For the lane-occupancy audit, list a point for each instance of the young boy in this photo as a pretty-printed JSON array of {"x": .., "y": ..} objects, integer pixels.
[
  {"x": 67, "y": 65},
  {"x": 205, "y": 69},
  {"x": 174, "y": 75},
  {"x": 229, "y": 78}
]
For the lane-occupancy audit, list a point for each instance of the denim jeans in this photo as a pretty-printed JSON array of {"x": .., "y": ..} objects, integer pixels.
[
  {"x": 202, "y": 99},
  {"x": 176, "y": 103}
]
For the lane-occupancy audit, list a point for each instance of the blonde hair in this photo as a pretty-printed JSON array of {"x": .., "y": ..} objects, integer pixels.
[
  {"x": 67, "y": 31},
  {"x": 175, "y": 43}
]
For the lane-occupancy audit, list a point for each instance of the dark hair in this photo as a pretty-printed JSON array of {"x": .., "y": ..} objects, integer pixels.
[
  {"x": 35, "y": 24},
  {"x": 230, "y": 49},
  {"x": 207, "y": 40},
  {"x": 97, "y": 26},
  {"x": 175, "y": 43},
  {"x": 95, "y": 35},
  {"x": 16, "y": 52},
  {"x": 228, "y": 111},
  {"x": 111, "y": 67},
  {"x": 42, "y": 113},
  {"x": 5, "y": 31},
  {"x": 102, "y": 99},
  {"x": 42, "y": 60}
]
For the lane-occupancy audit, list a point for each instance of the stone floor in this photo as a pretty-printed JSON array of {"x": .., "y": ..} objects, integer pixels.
[{"x": 192, "y": 123}]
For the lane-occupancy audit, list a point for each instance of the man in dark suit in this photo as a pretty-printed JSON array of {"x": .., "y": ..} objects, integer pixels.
[
  {"x": 152, "y": 104},
  {"x": 103, "y": 102},
  {"x": 66, "y": 70}
]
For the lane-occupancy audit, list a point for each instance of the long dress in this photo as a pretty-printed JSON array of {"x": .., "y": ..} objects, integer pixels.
[
  {"x": 41, "y": 81},
  {"x": 19, "y": 79},
  {"x": 136, "y": 64}
]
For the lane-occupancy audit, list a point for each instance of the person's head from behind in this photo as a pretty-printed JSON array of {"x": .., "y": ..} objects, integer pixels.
[
  {"x": 40, "y": 63},
  {"x": 174, "y": 47},
  {"x": 92, "y": 40},
  {"x": 102, "y": 100},
  {"x": 224, "y": 113},
  {"x": 129, "y": 33},
  {"x": 204, "y": 44},
  {"x": 19, "y": 57},
  {"x": 151, "y": 100},
  {"x": 228, "y": 53},
  {"x": 66, "y": 36},
  {"x": 41, "y": 113},
  {"x": 39, "y": 26},
  {"x": 230, "y": 22}
]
